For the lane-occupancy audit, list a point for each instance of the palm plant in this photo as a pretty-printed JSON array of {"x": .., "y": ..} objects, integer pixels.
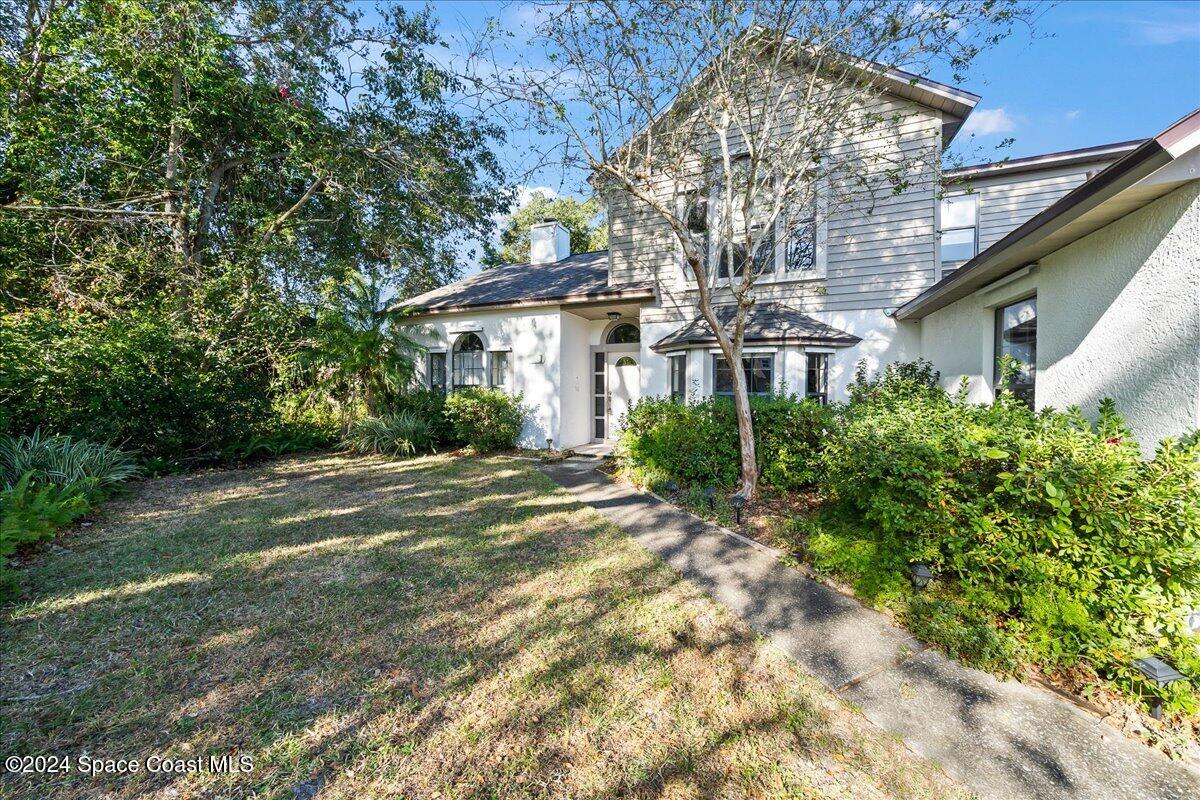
[{"x": 359, "y": 356}]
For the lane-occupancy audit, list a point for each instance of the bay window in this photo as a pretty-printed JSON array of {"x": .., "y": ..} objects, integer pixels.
[{"x": 759, "y": 372}]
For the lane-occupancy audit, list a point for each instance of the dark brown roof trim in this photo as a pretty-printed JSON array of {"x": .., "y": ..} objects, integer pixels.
[
  {"x": 711, "y": 341},
  {"x": 627, "y": 293},
  {"x": 1062, "y": 158}
]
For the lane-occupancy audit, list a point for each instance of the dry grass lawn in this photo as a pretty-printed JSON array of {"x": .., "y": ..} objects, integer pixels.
[{"x": 452, "y": 628}]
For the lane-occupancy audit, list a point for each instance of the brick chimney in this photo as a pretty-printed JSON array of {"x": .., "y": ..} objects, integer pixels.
[{"x": 549, "y": 241}]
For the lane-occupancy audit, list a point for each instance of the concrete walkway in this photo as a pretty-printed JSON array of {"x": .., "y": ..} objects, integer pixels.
[{"x": 1003, "y": 739}]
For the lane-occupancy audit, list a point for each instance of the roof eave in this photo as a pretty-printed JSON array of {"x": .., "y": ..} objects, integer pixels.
[
  {"x": 1004, "y": 257},
  {"x": 813, "y": 341},
  {"x": 631, "y": 293}
]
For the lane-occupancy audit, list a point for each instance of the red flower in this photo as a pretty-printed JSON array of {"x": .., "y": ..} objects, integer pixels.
[
  {"x": 1113, "y": 440},
  {"x": 285, "y": 92}
]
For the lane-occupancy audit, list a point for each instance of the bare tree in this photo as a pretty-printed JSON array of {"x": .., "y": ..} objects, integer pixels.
[{"x": 731, "y": 122}]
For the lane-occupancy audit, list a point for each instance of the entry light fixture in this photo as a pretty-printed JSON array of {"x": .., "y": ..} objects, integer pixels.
[
  {"x": 614, "y": 315},
  {"x": 920, "y": 575},
  {"x": 1161, "y": 674},
  {"x": 710, "y": 494},
  {"x": 738, "y": 502}
]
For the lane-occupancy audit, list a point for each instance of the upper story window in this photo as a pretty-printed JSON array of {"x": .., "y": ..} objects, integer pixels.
[
  {"x": 468, "y": 361},
  {"x": 787, "y": 247},
  {"x": 960, "y": 228}
]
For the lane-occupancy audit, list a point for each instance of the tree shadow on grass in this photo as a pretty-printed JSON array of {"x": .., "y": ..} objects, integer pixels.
[{"x": 448, "y": 625}]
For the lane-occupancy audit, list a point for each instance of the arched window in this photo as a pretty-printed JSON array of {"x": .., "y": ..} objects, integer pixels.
[
  {"x": 626, "y": 361},
  {"x": 468, "y": 361},
  {"x": 624, "y": 333}
]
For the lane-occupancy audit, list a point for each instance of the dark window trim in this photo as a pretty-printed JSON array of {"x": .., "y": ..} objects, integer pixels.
[
  {"x": 746, "y": 368},
  {"x": 821, "y": 392},
  {"x": 678, "y": 377},
  {"x": 492, "y": 362},
  {"x": 1025, "y": 390},
  {"x": 441, "y": 384},
  {"x": 456, "y": 372}
]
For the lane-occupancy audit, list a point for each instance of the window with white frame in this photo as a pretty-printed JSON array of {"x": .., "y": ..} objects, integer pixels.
[
  {"x": 759, "y": 371},
  {"x": 960, "y": 228},
  {"x": 816, "y": 378},
  {"x": 791, "y": 249}
]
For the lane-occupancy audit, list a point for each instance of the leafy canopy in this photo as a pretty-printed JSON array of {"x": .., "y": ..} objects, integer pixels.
[{"x": 582, "y": 218}]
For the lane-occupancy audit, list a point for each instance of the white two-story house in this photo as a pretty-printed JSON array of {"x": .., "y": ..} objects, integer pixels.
[{"x": 1082, "y": 264}]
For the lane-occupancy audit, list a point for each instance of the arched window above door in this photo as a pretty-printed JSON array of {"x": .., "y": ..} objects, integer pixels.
[
  {"x": 626, "y": 361},
  {"x": 625, "y": 333}
]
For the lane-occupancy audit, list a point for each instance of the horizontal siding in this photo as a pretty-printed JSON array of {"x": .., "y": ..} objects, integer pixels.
[
  {"x": 879, "y": 245},
  {"x": 1007, "y": 202}
]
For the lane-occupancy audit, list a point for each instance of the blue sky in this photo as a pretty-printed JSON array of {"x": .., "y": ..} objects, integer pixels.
[{"x": 1098, "y": 72}]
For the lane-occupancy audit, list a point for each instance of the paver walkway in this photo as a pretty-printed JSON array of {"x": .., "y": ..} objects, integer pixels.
[{"x": 1003, "y": 739}]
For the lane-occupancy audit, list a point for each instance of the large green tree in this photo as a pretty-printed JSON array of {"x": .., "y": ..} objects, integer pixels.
[
  {"x": 584, "y": 219},
  {"x": 213, "y": 164},
  {"x": 154, "y": 146}
]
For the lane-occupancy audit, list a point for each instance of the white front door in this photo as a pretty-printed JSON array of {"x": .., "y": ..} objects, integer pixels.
[{"x": 624, "y": 389}]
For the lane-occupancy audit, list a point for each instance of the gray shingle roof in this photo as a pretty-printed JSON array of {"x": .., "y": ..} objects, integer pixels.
[
  {"x": 577, "y": 278},
  {"x": 776, "y": 323}
]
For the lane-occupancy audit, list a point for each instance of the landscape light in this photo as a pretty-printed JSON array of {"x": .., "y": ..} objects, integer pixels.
[
  {"x": 614, "y": 315},
  {"x": 920, "y": 575},
  {"x": 738, "y": 503},
  {"x": 1161, "y": 674},
  {"x": 671, "y": 486},
  {"x": 710, "y": 493}
]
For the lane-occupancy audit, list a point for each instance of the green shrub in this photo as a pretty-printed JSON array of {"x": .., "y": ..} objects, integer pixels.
[
  {"x": 63, "y": 461},
  {"x": 485, "y": 419},
  {"x": 49, "y": 481},
  {"x": 400, "y": 434},
  {"x": 286, "y": 438},
  {"x": 430, "y": 406},
  {"x": 1083, "y": 550},
  {"x": 698, "y": 442},
  {"x": 159, "y": 387}
]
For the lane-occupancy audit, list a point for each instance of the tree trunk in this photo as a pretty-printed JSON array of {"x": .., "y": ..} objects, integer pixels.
[
  {"x": 731, "y": 348},
  {"x": 745, "y": 423},
  {"x": 369, "y": 396},
  {"x": 173, "y": 205}
]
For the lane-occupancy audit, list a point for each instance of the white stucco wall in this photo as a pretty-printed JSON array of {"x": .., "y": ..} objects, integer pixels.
[
  {"x": 535, "y": 340},
  {"x": 1118, "y": 316},
  {"x": 576, "y": 397}
]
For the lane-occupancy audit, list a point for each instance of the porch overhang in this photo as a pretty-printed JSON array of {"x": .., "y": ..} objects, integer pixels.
[{"x": 766, "y": 324}]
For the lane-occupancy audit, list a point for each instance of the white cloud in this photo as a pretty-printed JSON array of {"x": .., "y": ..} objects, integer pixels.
[
  {"x": 1073, "y": 114},
  {"x": 526, "y": 193},
  {"x": 989, "y": 121},
  {"x": 1171, "y": 28}
]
